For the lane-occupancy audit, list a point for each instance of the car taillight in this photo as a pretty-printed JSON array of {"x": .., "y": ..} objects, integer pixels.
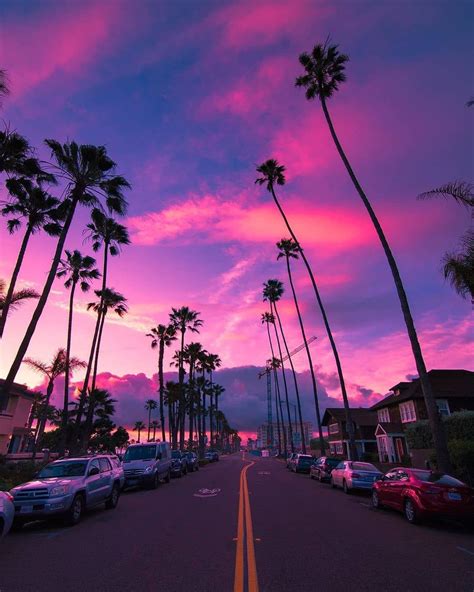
[{"x": 9, "y": 496}]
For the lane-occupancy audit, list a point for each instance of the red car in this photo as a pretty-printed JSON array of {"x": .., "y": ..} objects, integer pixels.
[{"x": 420, "y": 493}]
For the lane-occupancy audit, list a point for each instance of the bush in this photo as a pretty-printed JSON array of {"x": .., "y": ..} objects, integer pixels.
[
  {"x": 462, "y": 457},
  {"x": 12, "y": 474},
  {"x": 370, "y": 457},
  {"x": 419, "y": 436},
  {"x": 203, "y": 462},
  {"x": 458, "y": 426}
]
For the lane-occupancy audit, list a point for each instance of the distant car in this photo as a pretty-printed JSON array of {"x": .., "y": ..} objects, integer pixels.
[
  {"x": 145, "y": 465},
  {"x": 352, "y": 475},
  {"x": 67, "y": 487},
  {"x": 179, "y": 465},
  {"x": 212, "y": 456},
  {"x": 322, "y": 467},
  {"x": 192, "y": 461},
  {"x": 302, "y": 463},
  {"x": 290, "y": 458},
  {"x": 7, "y": 512},
  {"x": 420, "y": 493}
]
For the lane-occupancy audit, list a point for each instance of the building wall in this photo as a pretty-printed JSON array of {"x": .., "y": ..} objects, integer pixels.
[{"x": 15, "y": 416}]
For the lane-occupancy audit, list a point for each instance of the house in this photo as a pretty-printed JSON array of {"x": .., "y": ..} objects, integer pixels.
[
  {"x": 365, "y": 422},
  {"x": 14, "y": 417},
  {"x": 453, "y": 391}
]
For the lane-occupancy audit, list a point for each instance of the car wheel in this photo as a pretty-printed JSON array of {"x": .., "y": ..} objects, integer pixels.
[
  {"x": 320, "y": 477},
  {"x": 112, "y": 501},
  {"x": 168, "y": 477},
  {"x": 156, "y": 481},
  {"x": 411, "y": 512},
  {"x": 333, "y": 485},
  {"x": 17, "y": 525},
  {"x": 74, "y": 514},
  {"x": 375, "y": 500},
  {"x": 345, "y": 487}
]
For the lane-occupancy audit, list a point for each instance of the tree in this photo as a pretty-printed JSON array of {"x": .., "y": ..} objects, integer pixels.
[
  {"x": 88, "y": 173},
  {"x": 138, "y": 427},
  {"x": 273, "y": 291},
  {"x": 183, "y": 319},
  {"x": 324, "y": 72},
  {"x": 39, "y": 210},
  {"x": 162, "y": 336},
  {"x": 120, "y": 438},
  {"x": 51, "y": 372},
  {"x": 155, "y": 425},
  {"x": 218, "y": 391},
  {"x": 171, "y": 399},
  {"x": 289, "y": 249},
  {"x": 4, "y": 88},
  {"x": 150, "y": 405},
  {"x": 213, "y": 362},
  {"x": 192, "y": 354},
  {"x": 17, "y": 297},
  {"x": 274, "y": 174},
  {"x": 79, "y": 270}
]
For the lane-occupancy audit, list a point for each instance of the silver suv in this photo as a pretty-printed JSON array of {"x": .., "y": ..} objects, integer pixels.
[{"x": 67, "y": 487}]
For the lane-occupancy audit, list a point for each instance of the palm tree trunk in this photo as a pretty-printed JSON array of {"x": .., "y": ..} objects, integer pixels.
[
  {"x": 310, "y": 362},
  {"x": 11, "y": 287},
  {"x": 41, "y": 303},
  {"x": 277, "y": 397},
  {"x": 349, "y": 423},
  {"x": 64, "y": 420},
  {"x": 138, "y": 439},
  {"x": 181, "y": 410},
  {"x": 191, "y": 404},
  {"x": 297, "y": 392},
  {"x": 162, "y": 388},
  {"x": 290, "y": 428},
  {"x": 42, "y": 424},
  {"x": 437, "y": 427},
  {"x": 149, "y": 424},
  {"x": 277, "y": 406}
]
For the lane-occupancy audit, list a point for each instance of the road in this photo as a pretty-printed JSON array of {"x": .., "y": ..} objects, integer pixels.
[{"x": 193, "y": 536}]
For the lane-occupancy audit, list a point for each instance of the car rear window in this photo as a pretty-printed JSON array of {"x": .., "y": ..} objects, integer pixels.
[
  {"x": 358, "y": 466},
  {"x": 438, "y": 478},
  {"x": 333, "y": 462}
]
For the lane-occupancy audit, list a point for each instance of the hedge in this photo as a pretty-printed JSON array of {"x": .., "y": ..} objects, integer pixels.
[{"x": 458, "y": 426}]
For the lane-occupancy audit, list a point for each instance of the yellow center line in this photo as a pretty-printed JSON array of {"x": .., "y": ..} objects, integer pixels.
[{"x": 244, "y": 509}]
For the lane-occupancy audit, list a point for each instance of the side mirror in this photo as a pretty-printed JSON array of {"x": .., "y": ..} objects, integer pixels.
[{"x": 94, "y": 471}]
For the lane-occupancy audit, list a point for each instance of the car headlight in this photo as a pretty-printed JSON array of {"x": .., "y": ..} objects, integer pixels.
[
  {"x": 59, "y": 490},
  {"x": 148, "y": 469}
]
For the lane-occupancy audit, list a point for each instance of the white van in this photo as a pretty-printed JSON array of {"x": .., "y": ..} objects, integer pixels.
[{"x": 147, "y": 464}]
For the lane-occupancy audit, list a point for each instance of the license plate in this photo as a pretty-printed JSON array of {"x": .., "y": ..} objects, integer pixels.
[
  {"x": 454, "y": 496},
  {"x": 26, "y": 509}
]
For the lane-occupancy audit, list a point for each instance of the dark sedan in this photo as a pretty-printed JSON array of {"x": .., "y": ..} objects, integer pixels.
[
  {"x": 420, "y": 493},
  {"x": 302, "y": 463},
  {"x": 192, "y": 461},
  {"x": 179, "y": 465},
  {"x": 322, "y": 467}
]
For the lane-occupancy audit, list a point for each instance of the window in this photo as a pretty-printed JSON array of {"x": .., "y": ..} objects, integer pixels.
[
  {"x": 94, "y": 465},
  {"x": 339, "y": 448},
  {"x": 407, "y": 412},
  {"x": 443, "y": 407},
  {"x": 333, "y": 428},
  {"x": 104, "y": 465},
  {"x": 383, "y": 415}
]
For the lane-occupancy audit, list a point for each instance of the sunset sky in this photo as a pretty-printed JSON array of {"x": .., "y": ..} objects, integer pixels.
[{"x": 189, "y": 97}]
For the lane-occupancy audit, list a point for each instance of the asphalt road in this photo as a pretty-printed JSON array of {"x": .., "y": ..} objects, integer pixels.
[{"x": 189, "y": 536}]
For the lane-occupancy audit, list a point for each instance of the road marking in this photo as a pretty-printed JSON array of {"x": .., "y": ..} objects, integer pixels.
[
  {"x": 465, "y": 550},
  {"x": 207, "y": 492},
  {"x": 264, "y": 473},
  {"x": 245, "y": 519}
]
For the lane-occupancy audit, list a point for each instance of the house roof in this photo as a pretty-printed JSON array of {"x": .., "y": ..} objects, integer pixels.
[
  {"x": 20, "y": 390},
  {"x": 389, "y": 428},
  {"x": 361, "y": 416},
  {"x": 446, "y": 384}
]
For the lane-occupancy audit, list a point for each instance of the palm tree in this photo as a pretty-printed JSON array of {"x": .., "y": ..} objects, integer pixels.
[
  {"x": 17, "y": 297},
  {"x": 87, "y": 172},
  {"x": 289, "y": 249},
  {"x": 183, "y": 319},
  {"x": 138, "y": 427},
  {"x": 213, "y": 362},
  {"x": 192, "y": 354},
  {"x": 461, "y": 191},
  {"x": 80, "y": 271},
  {"x": 150, "y": 405},
  {"x": 273, "y": 291},
  {"x": 39, "y": 210},
  {"x": 162, "y": 336},
  {"x": 4, "y": 88},
  {"x": 16, "y": 157},
  {"x": 324, "y": 72},
  {"x": 171, "y": 399},
  {"x": 218, "y": 390},
  {"x": 155, "y": 424},
  {"x": 273, "y": 174},
  {"x": 51, "y": 372}
]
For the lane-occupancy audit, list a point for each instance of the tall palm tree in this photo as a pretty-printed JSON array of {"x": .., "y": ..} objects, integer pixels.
[
  {"x": 79, "y": 270},
  {"x": 150, "y": 405},
  {"x": 183, "y": 319},
  {"x": 213, "y": 362},
  {"x": 155, "y": 425},
  {"x": 4, "y": 88},
  {"x": 138, "y": 427},
  {"x": 88, "y": 174},
  {"x": 18, "y": 297},
  {"x": 162, "y": 336},
  {"x": 289, "y": 249},
  {"x": 16, "y": 157},
  {"x": 171, "y": 400},
  {"x": 274, "y": 174},
  {"x": 39, "y": 210},
  {"x": 273, "y": 291},
  {"x": 51, "y": 372},
  {"x": 324, "y": 72},
  {"x": 218, "y": 391},
  {"x": 192, "y": 354}
]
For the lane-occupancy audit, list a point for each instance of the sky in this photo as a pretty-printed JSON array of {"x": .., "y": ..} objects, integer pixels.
[{"x": 189, "y": 97}]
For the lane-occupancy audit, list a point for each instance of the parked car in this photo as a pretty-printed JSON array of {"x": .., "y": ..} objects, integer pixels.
[
  {"x": 117, "y": 467},
  {"x": 192, "y": 461},
  {"x": 322, "y": 467},
  {"x": 67, "y": 487},
  {"x": 179, "y": 465},
  {"x": 301, "y": 463},
  {"x": 290, "y": 458},
  {"x": 212, "y": 455},
  {"x": 421, "y": 493},
  {"x": 145, "y": 465},
  {"x": 352, "y": 475},
  {"x": 7, "y": 512}
]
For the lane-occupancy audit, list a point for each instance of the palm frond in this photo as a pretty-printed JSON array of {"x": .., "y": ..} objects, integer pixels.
[{"x": 460, "y": 191}]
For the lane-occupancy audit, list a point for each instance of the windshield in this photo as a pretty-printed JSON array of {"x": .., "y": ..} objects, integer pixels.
[
  {"x": 139, "y": 453},
  {"x": 63, "y": 469}
]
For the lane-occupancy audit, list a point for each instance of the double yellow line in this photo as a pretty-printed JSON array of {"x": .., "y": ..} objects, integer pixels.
[{"x": 245, "y": 519}]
